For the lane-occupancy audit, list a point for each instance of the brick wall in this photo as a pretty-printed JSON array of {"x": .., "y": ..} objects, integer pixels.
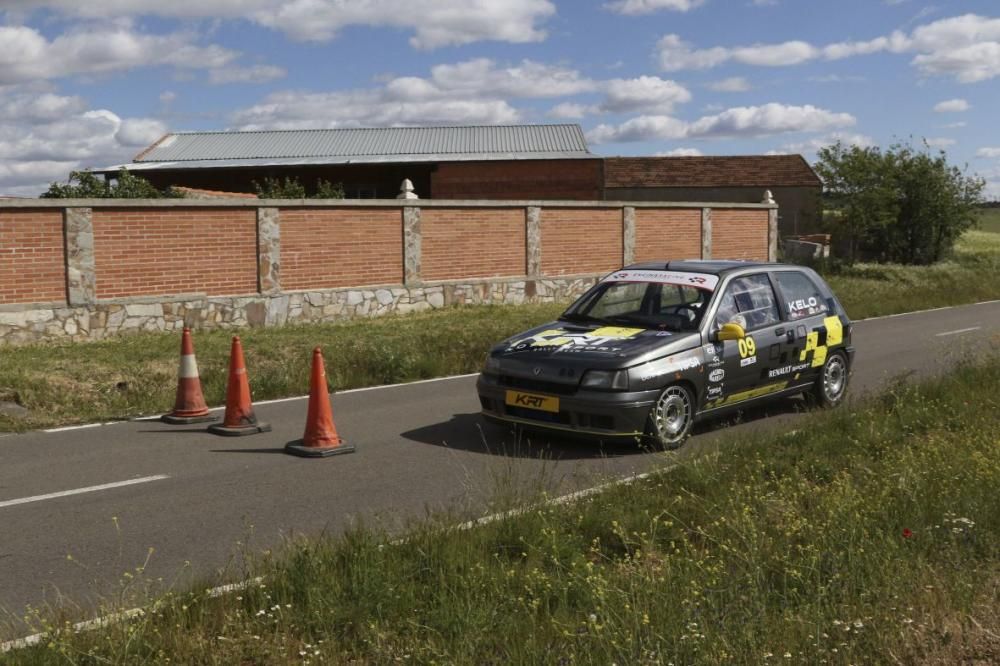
[
  {"x": 472, "y": 243},
  {"x": 160, "y": 251},
  {"x": 739, "y": 234},
  {"x": 580, "y": 240},
  {"x": 32, "y": 267},
  {"x": 322, "y": 249},
  {"x": 524, "y": 179},
  {"x": 666, "y": 233}
]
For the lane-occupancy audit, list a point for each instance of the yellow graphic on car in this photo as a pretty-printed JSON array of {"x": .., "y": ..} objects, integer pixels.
[{"x": 833, "y": 333}]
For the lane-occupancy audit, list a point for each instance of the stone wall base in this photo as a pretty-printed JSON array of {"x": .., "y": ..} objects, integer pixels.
[{"x": 38, "y": 322}]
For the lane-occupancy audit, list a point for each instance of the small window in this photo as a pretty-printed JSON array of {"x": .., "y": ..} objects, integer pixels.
[
  {"x": 802, "y": 298},
  {"x": 749, "y": 302}
]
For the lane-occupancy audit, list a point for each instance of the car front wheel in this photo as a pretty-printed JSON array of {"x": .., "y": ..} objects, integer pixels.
[
  {"x": 831, "y": 386},
  {"x": 671, "y": 417}
]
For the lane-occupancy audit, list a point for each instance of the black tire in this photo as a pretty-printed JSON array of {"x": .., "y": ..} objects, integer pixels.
[
  {"x": 671, "y": 417},
  {"x": 831, "y": 385}
]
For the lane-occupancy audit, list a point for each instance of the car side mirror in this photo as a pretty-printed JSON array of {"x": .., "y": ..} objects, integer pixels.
[{"x": 730, "y": 331}]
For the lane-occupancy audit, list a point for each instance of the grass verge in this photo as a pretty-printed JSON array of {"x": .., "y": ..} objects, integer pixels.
[
  {"x": 868, "y": 535},
  {"x": 63, "y": 383}
]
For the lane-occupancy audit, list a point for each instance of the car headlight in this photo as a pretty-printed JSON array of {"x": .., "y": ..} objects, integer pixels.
[
  {"x": 605, "y": 379},
  {"x": 492, "y": 364}
]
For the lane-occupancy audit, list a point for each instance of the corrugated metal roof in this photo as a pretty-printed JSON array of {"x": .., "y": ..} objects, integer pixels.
[{"x": 375, "y": 144}]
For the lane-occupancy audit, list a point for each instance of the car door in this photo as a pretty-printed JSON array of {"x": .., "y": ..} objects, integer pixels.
[
  {"x": 809, "y": 322},
  {"x": 742, "y": 369}
]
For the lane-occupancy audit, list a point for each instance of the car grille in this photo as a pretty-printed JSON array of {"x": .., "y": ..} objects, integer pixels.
[{"x": 526, "y": 384}]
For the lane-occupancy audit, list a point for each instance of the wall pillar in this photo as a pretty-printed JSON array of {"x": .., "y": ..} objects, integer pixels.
[
  {"x": 533, "y": 241},
  {"x": 628, "y": 235},
  {"x": 411, "y": 245},
  {"x": 269, "y": 251},
  {"x": 772, "y": 234},
  {"x": 706, "y": 233},
  {"x": 81, "y": 275}
]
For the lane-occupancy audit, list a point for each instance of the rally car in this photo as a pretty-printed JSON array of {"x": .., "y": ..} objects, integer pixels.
[{"x": 656, "y": 346}]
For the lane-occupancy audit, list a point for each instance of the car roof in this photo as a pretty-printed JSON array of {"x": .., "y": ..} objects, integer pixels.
[{"x": 714, "y": 267}]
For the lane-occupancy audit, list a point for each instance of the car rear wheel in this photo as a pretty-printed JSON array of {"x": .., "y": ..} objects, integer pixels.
[
  {"x": 831, "y": 386},
  {"x": 671, "y": 416}
]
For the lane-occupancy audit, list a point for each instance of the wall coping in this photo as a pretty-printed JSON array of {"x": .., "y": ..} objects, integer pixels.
[{"x": 363, "y": 203}]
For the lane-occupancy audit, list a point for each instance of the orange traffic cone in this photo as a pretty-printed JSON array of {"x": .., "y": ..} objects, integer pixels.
[
  {"x": 320, "y": 439},
  {"x": 190, "y": 405},
  {"x": 240, "y": 418}
]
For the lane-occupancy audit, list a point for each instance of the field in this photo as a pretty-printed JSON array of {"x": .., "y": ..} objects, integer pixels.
[
  {"x": 989, "y": 220},
  {"x": 868, "y": 535}
]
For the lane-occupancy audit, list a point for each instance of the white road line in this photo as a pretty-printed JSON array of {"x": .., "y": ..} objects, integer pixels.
[
  {"x": 80, "y": 491},
  {"x": 961, "y": 330},
  {"x": 916, "y": 312}
]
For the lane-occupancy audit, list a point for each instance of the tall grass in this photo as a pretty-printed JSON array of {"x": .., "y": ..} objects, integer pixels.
[{"x": 868, "y": 535}]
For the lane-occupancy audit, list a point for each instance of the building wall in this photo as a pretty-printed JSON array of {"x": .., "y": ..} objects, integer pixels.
[
  {"x": 479, "y": 243},
  {"x": 31, "y": 256},
  {"x": 154, "y": 252},
  {"x": 799, "y": 208},
  {"x": 574, "y": 179},
  {"x": 735, "y": 236},
  {"x": 666, "y": 233},
  {"x": 87, "y": 269},
  {"x": 327, "y": 248}
]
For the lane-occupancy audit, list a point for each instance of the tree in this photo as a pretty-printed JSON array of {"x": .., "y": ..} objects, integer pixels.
[
  {"x": 291, "y": 188},
  {"x": 901, "y": 205},
  {"x": 87, "y": 185}
]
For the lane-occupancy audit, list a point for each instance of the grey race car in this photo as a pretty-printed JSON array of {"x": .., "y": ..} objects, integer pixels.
[{"x": 654, "y": 347}]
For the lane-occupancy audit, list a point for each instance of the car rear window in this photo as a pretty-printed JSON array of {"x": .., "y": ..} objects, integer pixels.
[{"x": 802, "y": 297}]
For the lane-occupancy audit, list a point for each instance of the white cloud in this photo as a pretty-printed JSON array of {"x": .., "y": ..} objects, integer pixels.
[
  {"x": 752, "y": 121},
  {"x": 811, "y": 146},
  {"x": 44, "y": 136},
  {"x": 988, "y": 152},
  {"x": 644, "y": 94},
  {"x": 966, "y": 48},
  {"x": 957, "y": 125},
  {"x": 434, "y": 23},
  {"x": 732, "y": 84},
  {"x": 571, "y": 111},
  {"x": 679, "y": 152},
  {"x": 26, "y": 55},
  {"x": 634, "y": 7},
  {"x": 939, "y": 142},
  {"x": 769, "y": 119},
  {"x": 254, "y": 74},
  {"x": 952, "y": 106}
]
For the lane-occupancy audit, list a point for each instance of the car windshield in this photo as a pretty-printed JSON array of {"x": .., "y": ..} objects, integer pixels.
[{"x": 649, "y": 299}]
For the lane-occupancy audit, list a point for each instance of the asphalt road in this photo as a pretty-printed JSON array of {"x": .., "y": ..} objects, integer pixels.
[{"x": 199, "y": 502}]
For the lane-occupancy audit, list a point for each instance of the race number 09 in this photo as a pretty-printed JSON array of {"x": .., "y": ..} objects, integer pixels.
[{"x": 747, "y": 347}]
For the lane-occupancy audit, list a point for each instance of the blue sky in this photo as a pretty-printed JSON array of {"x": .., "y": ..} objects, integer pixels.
[{"x": 91, "y": 84}]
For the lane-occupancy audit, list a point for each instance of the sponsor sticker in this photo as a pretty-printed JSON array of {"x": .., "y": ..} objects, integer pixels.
[
  {"x": 716, "y": 375},
  {"x": 560, "y": 340},
  {"x": 677, "y": 278},
  {"x": 787, "y": 370},
  {"x": 531, "y": 401},
  {"x": 748, "y": 361},
  {"x": 714, "y": 391}
]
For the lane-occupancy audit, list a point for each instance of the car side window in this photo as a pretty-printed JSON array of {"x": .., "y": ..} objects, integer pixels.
[
  {"x": 802, "y": 297},
  {"x": 748, "y": 301}
]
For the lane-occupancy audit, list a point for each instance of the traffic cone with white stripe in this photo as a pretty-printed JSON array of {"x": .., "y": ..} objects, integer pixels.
[
  {"x": 320, "y": 439},
  {"x": 240, "y": 418},
  {"x": 189, "y": 407}
]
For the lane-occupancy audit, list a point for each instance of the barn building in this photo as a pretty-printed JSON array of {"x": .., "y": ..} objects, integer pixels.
[{"x": 516, "y": 162}]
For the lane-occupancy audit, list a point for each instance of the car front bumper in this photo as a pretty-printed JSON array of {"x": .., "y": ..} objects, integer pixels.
[{"x": 608, "y": 414}]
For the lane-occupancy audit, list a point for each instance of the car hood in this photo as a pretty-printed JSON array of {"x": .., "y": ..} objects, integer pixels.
[{"x": 591, "y": 346}]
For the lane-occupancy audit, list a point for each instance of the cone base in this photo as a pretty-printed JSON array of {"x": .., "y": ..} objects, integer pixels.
[
  {"x": 185, "y": 420},
  {"x": 298, "y": 448},
  {"x": 239, "y": 431}
]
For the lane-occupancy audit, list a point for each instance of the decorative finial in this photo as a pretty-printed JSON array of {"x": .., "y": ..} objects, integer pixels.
[
  {"x": 406, "y": 190},
  {"x": 768, "y": 197}
]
